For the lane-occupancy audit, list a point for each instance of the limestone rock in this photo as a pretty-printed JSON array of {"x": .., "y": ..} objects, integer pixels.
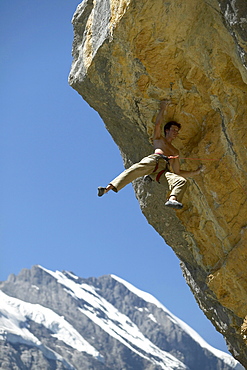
[{"x": 129, "y": 55}]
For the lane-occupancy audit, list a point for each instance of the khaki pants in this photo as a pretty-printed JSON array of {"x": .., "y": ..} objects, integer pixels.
[{"x": 177, "y": 184}]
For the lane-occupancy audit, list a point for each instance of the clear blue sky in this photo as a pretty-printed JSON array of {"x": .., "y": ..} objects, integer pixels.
[{"x": 54, "y": 153}]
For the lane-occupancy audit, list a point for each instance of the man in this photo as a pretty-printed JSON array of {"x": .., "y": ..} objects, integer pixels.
[{"x": 162, "y": 166}]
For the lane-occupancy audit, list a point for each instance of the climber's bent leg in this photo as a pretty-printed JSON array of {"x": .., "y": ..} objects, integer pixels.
[{"x": 177, "y": 186}]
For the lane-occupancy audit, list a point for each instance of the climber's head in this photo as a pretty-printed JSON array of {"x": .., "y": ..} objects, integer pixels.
[{"x": 172, "y": 127}]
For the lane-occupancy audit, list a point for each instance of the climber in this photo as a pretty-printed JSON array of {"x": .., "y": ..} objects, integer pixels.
[{"x": 162, "y": 166}]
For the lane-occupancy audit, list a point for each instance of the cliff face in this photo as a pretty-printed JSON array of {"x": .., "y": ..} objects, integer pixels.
[{"x": 129, "y": 55}]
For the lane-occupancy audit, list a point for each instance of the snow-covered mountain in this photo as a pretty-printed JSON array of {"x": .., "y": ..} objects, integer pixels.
[{"x": 56, "y": 320}]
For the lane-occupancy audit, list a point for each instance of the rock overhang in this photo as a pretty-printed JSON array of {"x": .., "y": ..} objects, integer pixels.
[{"x": 129, "y": 55}]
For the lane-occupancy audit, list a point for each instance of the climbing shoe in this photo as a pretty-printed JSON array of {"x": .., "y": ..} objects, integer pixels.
[
  {"x": 173, "y": 204},
  {"x": 101, "y": 191}
]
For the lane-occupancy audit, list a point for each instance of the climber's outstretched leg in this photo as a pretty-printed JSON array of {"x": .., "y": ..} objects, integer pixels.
[{"x": 145, "y": 167}]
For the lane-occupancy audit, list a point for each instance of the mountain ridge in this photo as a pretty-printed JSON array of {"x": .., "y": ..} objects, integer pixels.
[{"x": 100, "y": 323}]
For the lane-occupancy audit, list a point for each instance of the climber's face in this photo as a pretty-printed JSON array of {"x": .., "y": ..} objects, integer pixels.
[{"x": 172, "y": 133}]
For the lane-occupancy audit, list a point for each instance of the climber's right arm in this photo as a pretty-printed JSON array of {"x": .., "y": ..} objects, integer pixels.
[{"x": 159, "y": 119}]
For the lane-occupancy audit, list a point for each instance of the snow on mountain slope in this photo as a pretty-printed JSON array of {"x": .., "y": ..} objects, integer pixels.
[
  {"x": 151, "y": 299},
  {"x": 116, "y": 324},
  {"x": 14, "y": 325}
]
